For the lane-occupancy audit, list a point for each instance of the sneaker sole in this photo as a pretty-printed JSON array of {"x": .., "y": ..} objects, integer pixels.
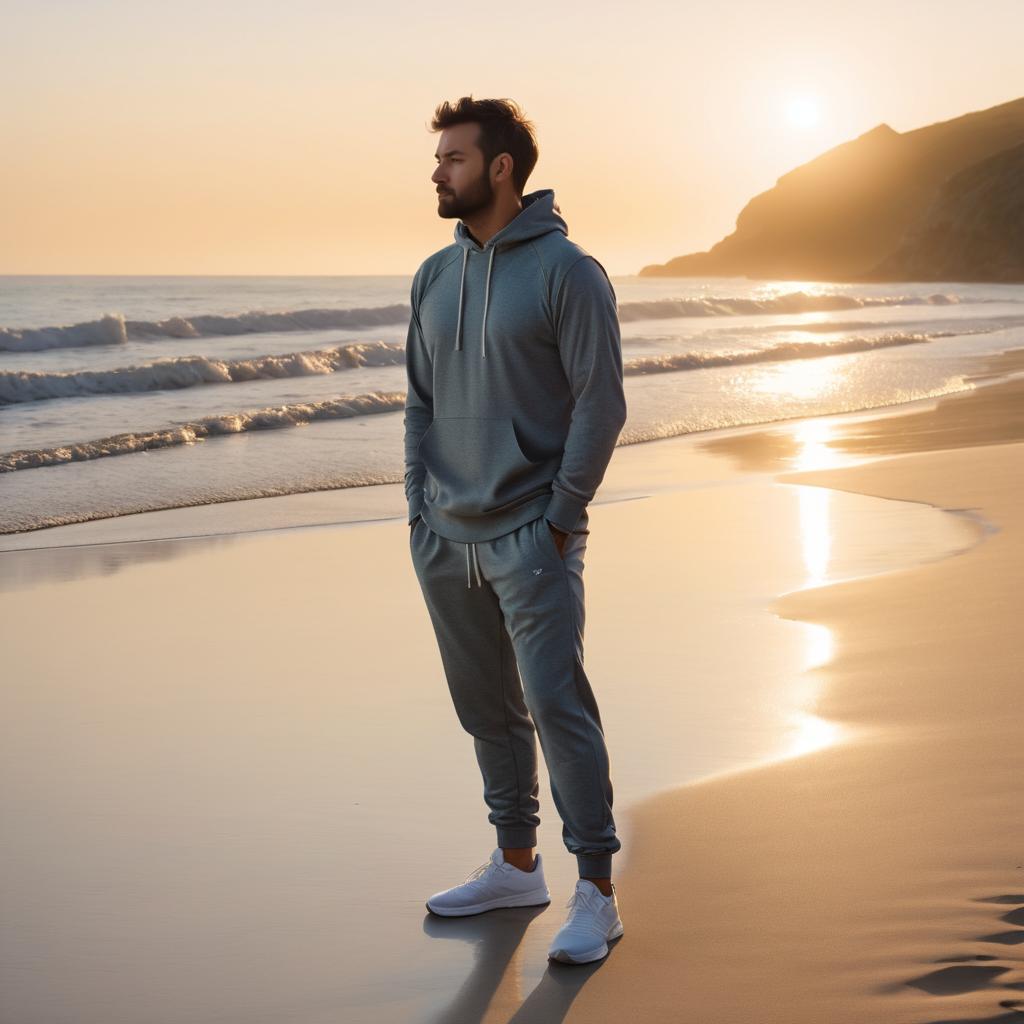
[
  {"x": 537, "y": 898},
  {"x": 598, "y": 954}
]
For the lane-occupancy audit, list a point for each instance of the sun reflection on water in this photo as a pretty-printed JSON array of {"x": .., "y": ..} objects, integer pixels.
[
  {"x": 812, "y": 733},
  {"x": 802, "y": 378},
  {"x": 808, "y": 731},
  {"x": 815, "y": 526}
]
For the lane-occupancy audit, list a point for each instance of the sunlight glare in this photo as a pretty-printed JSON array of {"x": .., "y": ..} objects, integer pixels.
[
  {"x": 812, "y": 733},
  {"x": 803, "y": 111},
  {"x": 814, "y": 451},
  {"x": 801, "y": 378}
]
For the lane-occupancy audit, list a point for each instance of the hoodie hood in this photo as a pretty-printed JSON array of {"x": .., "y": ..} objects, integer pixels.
[{"x": 539, "y": 216}]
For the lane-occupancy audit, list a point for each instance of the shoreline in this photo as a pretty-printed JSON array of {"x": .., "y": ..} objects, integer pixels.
[{"x": 356, "y": 506}]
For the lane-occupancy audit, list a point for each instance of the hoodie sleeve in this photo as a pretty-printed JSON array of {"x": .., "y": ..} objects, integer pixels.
[
  {"x": 419, "y": 407},
  {"x": 587, "y": 329}
]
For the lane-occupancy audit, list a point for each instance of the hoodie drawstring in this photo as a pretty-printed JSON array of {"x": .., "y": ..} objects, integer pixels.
[
  {"x": 476, "y": 566},
  {"x": 487, "y": 289},
  {"x": 539, "y": 215},
  {"x": 487, "y": 294},
  {"x": 462, "y": 282}
]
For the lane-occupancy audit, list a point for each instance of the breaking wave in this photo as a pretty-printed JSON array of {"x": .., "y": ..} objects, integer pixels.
[
  {"x": 209, "y": 426},
  {"x": 189, "y": 371},
  {"x": 115, "y": 329}
]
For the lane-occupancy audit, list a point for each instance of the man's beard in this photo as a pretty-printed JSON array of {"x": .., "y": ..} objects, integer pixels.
[{"x": 477, "y": 196}]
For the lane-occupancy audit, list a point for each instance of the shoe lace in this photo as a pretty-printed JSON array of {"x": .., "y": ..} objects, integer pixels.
[
  {"x": 577, "y": 901},
  {"x": 478, "y": 872}
]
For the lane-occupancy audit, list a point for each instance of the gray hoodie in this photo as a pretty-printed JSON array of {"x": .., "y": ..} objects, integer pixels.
[{"x": 514, "y": 364}]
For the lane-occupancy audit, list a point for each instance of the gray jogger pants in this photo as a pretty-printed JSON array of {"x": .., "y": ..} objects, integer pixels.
[{"x": 509, "y": 614}]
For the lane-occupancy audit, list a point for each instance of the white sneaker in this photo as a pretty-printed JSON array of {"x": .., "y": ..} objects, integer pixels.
[
  {"x": 494, "y": 884},
  {"x": 592, "y": 923}
]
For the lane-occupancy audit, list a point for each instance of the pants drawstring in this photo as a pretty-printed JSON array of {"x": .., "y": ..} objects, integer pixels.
[{"x": 476, "y": 565}]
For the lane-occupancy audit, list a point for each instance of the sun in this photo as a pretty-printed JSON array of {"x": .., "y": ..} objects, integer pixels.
[{"x": 803, "y": 111}]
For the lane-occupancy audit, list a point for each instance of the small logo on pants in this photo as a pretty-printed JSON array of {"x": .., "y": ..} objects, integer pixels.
[{"x": 537, "y": 572}]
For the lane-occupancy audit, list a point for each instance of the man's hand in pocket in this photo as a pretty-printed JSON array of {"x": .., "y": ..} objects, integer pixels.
[{"x": 559, "y": 538}]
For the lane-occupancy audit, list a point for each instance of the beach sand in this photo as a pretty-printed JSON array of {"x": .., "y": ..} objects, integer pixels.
[
  {"x": 880, "y": 879},
  {"x": 232, "y": 772}
]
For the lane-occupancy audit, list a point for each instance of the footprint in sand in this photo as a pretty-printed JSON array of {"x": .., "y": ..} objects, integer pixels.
[
  {"x": 971, "y": 975},
  {"x": 954, "y": 981}
]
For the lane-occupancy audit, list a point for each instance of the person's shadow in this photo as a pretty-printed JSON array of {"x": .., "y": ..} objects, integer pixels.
[{"x": 496, "y": 936}]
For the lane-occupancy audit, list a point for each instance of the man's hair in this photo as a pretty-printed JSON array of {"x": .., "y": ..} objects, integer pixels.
[{"x": 503, "y": 129}]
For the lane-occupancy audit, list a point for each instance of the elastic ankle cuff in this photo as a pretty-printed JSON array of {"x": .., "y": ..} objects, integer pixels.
[
  {"x": 594, "y": 865},
  {"x": 517, "y": 837}
]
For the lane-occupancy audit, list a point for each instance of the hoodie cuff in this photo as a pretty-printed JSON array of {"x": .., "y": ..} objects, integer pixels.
[
  {"x": 564, "y": 511},
  {"x": 415, "y": 506}
]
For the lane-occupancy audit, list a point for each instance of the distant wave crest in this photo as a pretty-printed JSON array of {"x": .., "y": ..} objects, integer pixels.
[
  {"x": 774, "y": 353},
  {"x": 791, "y": 302},
  {"x": 115, "y": 329},
  {"x": 189, "y": 371},
  {"x": 209, "y": 426}
]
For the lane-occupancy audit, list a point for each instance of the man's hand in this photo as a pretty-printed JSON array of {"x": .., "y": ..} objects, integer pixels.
[{"x": 559, "y": 537}]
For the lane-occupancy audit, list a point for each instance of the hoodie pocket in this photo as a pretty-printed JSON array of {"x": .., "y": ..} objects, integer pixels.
[{"x": 476, "y": 467}]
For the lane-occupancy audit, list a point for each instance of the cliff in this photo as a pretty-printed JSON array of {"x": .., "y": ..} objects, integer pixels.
[{"x": 844, "y": 214}]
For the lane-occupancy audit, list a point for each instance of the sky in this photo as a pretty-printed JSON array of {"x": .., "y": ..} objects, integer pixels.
[{"x": 246, "y": 137}]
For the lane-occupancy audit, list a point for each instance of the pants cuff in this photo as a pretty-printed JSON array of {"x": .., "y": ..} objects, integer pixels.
[
  {"x": 594, "y": 865},
  {"x": 517, "y": 836}
]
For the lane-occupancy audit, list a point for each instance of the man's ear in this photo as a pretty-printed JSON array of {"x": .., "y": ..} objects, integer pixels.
[{"x": 510, "y": 162}]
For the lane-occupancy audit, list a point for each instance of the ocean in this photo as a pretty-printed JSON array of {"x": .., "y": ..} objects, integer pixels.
[{"x": 128, "y": 394}]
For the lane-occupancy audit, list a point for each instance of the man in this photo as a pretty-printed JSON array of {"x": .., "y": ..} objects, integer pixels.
[{"x": 515, "y": 402}]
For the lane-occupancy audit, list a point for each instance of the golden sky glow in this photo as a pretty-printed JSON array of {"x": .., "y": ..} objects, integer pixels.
[{"x": 253, "y": 138}]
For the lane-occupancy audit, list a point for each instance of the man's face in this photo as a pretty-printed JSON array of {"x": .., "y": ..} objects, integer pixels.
[{"x": 463, "y": 183}]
